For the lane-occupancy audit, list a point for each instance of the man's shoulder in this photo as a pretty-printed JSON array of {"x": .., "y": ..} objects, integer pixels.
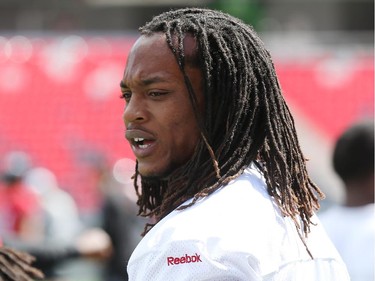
[
  {"x": 238, "y": 200},
  {"x": 239, "y": 213}
]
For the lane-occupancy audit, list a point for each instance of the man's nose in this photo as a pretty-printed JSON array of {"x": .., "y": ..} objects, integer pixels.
[{"x": 135, "y": 110}]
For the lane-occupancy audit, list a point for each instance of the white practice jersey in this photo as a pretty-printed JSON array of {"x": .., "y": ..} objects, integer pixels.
[{"x": 237, "y": 233}]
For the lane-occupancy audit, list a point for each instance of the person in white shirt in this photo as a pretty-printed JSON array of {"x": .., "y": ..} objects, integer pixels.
[
  {"x": 219, "y": 167},
  {"x": 351, "y": 225}
]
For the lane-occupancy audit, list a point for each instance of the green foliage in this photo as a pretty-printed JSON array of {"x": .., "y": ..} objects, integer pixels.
[{"x": 250, "y": 11}]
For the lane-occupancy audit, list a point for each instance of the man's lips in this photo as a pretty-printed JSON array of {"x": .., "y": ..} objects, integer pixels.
[
  {"x": 132, "y": 134},
  {"x": 142, "y": 142}
]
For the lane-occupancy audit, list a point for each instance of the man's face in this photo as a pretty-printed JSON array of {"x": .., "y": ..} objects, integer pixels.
[{"x": 160, "y": 123}]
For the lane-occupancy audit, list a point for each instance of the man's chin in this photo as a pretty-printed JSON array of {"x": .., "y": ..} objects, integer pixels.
[{"x": 154, "y": 174}]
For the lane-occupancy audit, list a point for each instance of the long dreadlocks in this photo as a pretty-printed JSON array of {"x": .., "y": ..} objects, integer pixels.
[
  {"x": 16, "y": 266},
  {"x": 246, "y": 119}
]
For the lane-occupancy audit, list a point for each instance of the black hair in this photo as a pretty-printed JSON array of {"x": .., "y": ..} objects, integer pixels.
[
  {"x": 353, "y": 154},
  {"x": 246, "y": 119},
  {"x": 16, "y": 266}
]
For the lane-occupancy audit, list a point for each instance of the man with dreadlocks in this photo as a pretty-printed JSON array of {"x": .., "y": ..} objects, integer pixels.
[{"x": 219, "y": 167}]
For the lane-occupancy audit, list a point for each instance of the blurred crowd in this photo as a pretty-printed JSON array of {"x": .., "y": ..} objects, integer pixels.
[{"x": 40, "y": 217}]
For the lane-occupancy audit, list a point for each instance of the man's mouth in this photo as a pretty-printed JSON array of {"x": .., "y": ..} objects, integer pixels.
[{"x": 141, "y": 143}]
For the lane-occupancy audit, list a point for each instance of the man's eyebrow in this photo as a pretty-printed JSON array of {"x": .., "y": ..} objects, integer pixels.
[
  {"x": 151, "y": 80},
  {"x": 147, "y": 81},
  {"x": 122, "y": 84}
]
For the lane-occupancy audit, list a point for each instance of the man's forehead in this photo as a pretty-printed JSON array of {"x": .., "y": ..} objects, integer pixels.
[
  {"x": 190, "y": 48},
  {"x": 148, "y": 45},
  {"x": 189, "y": 42},
  {"x": 155, "y": 39},
  {"x": 190, "y": 45}
]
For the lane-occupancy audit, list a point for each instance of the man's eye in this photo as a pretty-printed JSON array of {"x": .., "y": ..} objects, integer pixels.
[
  {"x": 126, "y": 96},
  {"x": 156, "y": 94}
]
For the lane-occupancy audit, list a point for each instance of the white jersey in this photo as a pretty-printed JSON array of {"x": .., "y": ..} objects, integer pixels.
[{"x": 237, "y": 233}]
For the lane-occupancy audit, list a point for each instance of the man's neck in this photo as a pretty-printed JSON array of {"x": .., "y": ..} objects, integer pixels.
[{"x": 359, "y": 193}]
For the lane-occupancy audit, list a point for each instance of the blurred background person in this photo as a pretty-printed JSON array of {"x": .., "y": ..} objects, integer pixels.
[
  {"x": 20, "y": 209},
  {"x": 64, "y": 243},
  {"x": 120, "y": 221},
  {"x": 351, "y": 225},
  {"x": 92, "y": 244},
  {"x": 62, "y": 223},
  {"x": 117, "y": 212}
]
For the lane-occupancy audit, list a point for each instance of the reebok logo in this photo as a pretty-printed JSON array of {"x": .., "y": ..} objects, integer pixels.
[{"x": 184, "y": 259}]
